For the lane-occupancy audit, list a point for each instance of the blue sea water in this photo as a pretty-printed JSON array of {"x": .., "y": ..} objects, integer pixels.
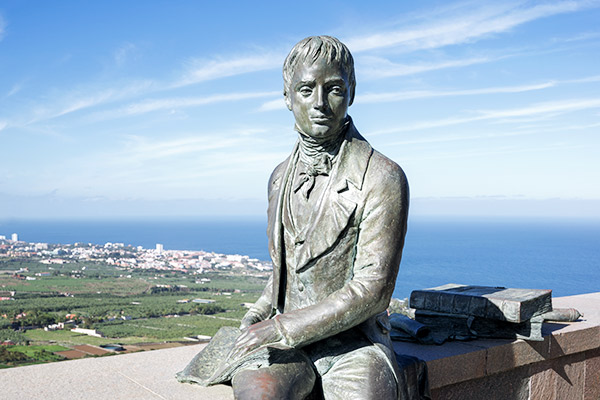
[{"x": 562, "y": 255}]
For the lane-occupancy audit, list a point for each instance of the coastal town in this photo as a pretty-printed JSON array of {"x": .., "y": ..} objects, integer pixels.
[
  {"x": 127, "y": 257},
  {"x": 64, "y": 301}
]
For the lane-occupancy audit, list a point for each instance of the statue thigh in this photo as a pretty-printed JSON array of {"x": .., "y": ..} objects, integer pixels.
[
  {"x": 291, "y": 375},
  {"x": 363, "y": 373},
  {"x": 349, "y": 366}
]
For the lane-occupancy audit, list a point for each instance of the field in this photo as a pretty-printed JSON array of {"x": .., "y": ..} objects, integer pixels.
[
  {"x": 13, "y": 356},
  {"x": 127, "y": 306}
]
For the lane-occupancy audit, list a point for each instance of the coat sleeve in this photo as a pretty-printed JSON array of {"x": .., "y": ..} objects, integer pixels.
[
  {"x": 261, "y": 309},
  {"x": 378, "y": 250}
]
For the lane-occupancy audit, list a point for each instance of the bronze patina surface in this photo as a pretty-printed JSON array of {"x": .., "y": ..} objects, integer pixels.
[{"x": 336, "y": 224}]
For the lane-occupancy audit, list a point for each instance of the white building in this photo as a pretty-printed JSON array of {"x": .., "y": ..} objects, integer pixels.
[
  {"x": 234, "y": 257},
  {"x": 14, "y": 237},
  {"x": 89, "y": 332},
  {"x": 159, "y": 248}
]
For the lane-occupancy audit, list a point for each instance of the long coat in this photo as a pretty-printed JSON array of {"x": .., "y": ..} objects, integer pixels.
[{"x": 346, "y": 265}]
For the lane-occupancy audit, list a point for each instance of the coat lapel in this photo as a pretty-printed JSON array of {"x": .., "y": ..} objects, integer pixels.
[
  {"x": 339, "y": 202},
  {"x": 274, "y": 227},
  {"x": 333, "y": 217}
]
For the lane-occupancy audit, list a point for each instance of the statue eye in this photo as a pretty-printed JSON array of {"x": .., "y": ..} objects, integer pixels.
[
  {"x": 305, "y": 91},
  {"x": 336, "y": 90}
]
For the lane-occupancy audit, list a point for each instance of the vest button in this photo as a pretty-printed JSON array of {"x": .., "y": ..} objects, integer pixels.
[{"x": 300, "y": 286}]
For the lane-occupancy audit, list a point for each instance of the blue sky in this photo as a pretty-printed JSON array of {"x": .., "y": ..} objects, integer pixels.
[{"x": 111, "y": 109}]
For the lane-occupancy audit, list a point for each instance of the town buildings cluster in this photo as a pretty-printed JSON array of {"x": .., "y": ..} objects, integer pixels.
[{"x": 127, "y": 256}]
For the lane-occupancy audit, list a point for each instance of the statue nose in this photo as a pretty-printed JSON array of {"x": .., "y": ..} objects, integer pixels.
[{"x": 321, "y": 100}]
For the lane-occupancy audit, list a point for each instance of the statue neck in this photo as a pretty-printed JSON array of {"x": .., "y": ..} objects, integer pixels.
[{"x": 311, "y": 147}]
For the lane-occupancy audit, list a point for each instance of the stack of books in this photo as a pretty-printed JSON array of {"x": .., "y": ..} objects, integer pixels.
[{"x": 462, "y": 311}]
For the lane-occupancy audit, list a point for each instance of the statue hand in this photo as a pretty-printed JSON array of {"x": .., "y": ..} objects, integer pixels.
[
  {"x": 249, "y": 319},
  {"x": 254, "y": 336}
]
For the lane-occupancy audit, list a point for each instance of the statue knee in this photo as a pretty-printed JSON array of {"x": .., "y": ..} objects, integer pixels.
[{"x": 293, "y": 381}]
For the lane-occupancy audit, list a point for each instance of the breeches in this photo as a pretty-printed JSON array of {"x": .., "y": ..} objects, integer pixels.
[{"x": 345, "y": 366}]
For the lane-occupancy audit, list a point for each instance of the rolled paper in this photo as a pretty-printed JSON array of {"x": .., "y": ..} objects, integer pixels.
[
  {"x": 408, "y": 325},
  {"x": 562, "y": 315}
]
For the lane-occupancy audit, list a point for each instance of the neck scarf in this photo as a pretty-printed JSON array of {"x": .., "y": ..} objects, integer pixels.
[{"x": 318, "y": 156}]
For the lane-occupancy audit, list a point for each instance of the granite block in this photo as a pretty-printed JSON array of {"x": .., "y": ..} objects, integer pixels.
[
  {"x": 592, "y": 376},
  {"x": 512, "y": 385},
  {"x": 542, "y": 385},
  {"x": 570, "y": 377},
  {"x": 574, "y": 341},
  {"x": 446, "y": 371},
  {"x": 515, "y": 355}
]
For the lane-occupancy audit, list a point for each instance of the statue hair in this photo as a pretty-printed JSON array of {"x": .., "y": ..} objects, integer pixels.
[{"x": 313, "y": 48}]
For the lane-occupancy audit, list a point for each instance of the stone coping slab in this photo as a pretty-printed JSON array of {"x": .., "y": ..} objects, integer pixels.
[
  {"x": 455, "y": 362},
  {"x": 151, "y": 374}
]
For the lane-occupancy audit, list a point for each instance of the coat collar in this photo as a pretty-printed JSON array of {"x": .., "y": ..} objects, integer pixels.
[
  {"x": 354, "y": 158},
  {"x": 336, "y": 209}
]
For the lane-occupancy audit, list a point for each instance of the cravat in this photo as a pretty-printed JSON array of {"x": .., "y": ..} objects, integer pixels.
[{"x": 320, "y": 165}]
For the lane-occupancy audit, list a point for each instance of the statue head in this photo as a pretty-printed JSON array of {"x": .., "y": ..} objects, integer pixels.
[{"x": 319, "y": 85}]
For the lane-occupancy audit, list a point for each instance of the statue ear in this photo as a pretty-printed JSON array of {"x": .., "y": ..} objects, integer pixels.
[
  {"x": 288, "y": 101},
  {"x": 352, "y": 91}
]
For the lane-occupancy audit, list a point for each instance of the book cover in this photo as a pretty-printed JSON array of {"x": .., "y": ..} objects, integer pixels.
[
  {"x": 504, "y": 304},
  {"x": 457, "y": 326}
]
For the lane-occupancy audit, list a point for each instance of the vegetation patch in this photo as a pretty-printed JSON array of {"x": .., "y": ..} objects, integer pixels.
[{"x": 127, "y": 305}]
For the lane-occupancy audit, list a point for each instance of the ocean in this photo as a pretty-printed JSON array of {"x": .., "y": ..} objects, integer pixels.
[{"x": 562, "y": 255}]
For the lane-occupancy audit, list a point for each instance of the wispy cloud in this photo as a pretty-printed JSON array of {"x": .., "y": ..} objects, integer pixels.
[
  {"x": 141, "y": 149},
  {"x": 124, "y": 52},
  {"x": 420, "y": 94},
  {"x": 271, "y": 105},
  {"x": 577, "y": 38},
  {"x": 463, "y": 23},
  {"x": 535, "y": 110},
  {"x": 491, "y": 135},
  {"x": 77, "y": 102},
  {"x": 174, "y": 103},
  {"x": 191, "y": 164},
  {"x": 459, "y": 24},
  {"x": 544, "y": 108},
  {"x": 201, "y": 70},
  {"x": 379, "y": 67},
  {"x": 16, "y": 88},
  {"x": 474, "y": 24},
  {"x": 479, "y": 153},
  {"x": 3, "y": 125},
  {"x": 588, "y": 79}
]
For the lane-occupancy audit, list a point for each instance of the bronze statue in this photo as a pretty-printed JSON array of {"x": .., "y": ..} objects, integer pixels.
[{"x": 336, "y": 225}]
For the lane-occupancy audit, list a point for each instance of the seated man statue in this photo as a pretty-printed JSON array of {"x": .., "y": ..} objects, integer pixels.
[{"x": 336, "y": 225}]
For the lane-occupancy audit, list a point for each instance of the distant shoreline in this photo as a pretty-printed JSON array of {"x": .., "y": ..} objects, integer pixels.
[{"x": 561, "y": 254}]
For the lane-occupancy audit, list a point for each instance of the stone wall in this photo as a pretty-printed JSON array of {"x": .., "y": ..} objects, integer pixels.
[{"x": 565, "y": 366}]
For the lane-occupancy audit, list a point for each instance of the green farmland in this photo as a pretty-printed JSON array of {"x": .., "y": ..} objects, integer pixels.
[{"x": 127, "y": 306}]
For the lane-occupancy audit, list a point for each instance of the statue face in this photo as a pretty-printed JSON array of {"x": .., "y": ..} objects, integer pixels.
[{"x": 319, "y": 98}]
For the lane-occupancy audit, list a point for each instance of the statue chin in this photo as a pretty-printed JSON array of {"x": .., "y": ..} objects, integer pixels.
[{"x": 321, "y": 132}]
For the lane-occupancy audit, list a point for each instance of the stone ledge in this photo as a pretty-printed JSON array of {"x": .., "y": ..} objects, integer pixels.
[
  {"x": 150, "y": 375},
  {"x": 456, "y": 362}
]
